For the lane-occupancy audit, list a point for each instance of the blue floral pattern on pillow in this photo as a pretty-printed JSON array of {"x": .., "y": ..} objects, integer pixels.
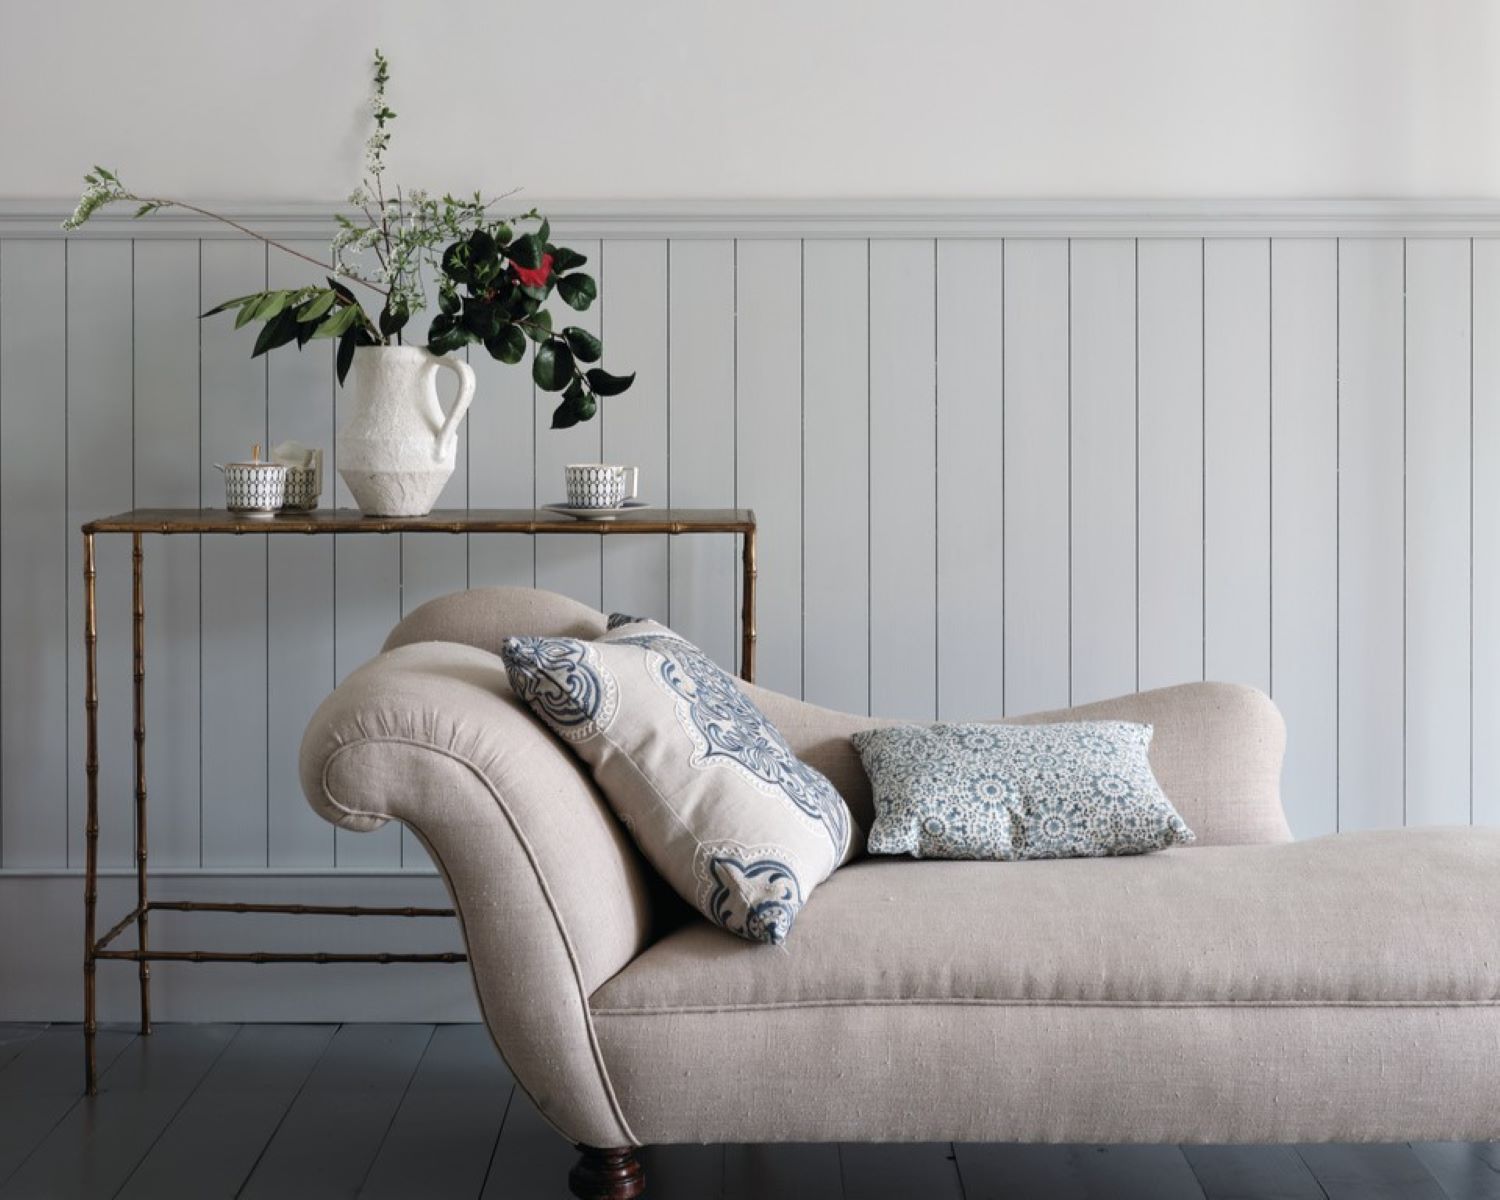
[
  {"x": 726, "y": 728},
  {"x": 1005, "y": 792},
  {"x": 564, "y": 682},
  {"x": 750, "y": 892}
]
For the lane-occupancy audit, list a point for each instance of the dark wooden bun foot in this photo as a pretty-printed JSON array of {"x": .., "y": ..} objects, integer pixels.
[{"x": 607, "y": 1174}]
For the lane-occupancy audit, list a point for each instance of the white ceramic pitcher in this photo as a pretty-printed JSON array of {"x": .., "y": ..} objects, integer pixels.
[{"x": 397, "y": 448}]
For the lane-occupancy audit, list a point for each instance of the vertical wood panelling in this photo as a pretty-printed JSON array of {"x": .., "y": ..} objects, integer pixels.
[
  {"x": 990, "y": 477},
  {"x": 701, "y": 440},
  {"x": 38, "y": 556},
  {"x": 1237, "y": 461},
  {"x": 100, "y": 481},
  {"x": 1485, "y": 716},
  {"x": 1170, "y": 461},
  {"x": 1036, "y": 475},
  {"x": 903, "y": 458},
  {"x": 1103, "y": 469},
  {"x": 970, "y": 463},
  {"x": 835, "y": 474},
  {"x": 501, "y": 440},
  {"x": 300, "y": 617},
  {"x": 768, "y": 445},
  {"x": 166, "y": 441},
  {"x": 572, "y": 564},
  {"x": 1304, "y": 525},
  {"x": 634, "y": 425},
  {"x": 232, "y": 586},
  {"x": 1437, "y": 531},
  {"x": 1371, "y": 534}
]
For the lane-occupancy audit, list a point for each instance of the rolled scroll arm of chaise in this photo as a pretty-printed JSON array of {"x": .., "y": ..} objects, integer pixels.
[{"x": 552, "y": 897}]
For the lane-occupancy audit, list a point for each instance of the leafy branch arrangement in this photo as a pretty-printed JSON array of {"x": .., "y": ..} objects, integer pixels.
[{"x": 492, "y": 278}]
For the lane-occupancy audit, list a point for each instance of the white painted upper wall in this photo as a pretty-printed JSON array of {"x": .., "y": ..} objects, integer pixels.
[{"x": 771, "y": 98}]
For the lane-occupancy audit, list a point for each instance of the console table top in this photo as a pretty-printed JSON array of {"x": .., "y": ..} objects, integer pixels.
[{"x": 440, "y": 520}]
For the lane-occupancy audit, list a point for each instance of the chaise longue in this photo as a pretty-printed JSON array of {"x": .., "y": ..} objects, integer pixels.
[{"x": 1248, "y": 988}]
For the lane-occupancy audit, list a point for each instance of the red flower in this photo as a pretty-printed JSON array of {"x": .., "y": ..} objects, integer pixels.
[{"x": 534, "y": 276}]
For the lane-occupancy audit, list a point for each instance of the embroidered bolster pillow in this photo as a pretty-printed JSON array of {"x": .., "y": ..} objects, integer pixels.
[
  {"x": 1072, "y": 790},
  {"x": 707, "y": 787}
]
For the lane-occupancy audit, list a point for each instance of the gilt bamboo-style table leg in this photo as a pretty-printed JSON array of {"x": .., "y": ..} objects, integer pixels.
[
  {"x": 138, "y": 617},
  {"x": 747, "y": 610},
  {"x": 91, "y": 823}
]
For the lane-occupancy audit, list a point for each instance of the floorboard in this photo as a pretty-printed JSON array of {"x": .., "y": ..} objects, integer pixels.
[
  {"x": 15, "y": 1038},
  {"x": 333, "y": 1130},
  {"x": 1382, "y": 1172},
  {"x": 1011, "y": 1172},
  {"x": 210, "y": 1148},
  {"x": 92, "y": 1151},
  {"x": 1464, "y": 1170},
  {"x": 684, "y": 1172},
  {"x": 531, "y": 1158},
  {"x": 791, "y": 1170},
  {"x": 877, "y": 1172},
  {"x": 1252, "y": 1173},
  {"x": 41, "y": 1085},
  {"x": 443, "y": 1137}
]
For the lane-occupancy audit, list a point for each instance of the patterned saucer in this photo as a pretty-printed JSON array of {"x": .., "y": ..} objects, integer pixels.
[{"x": 597, "y": 514}]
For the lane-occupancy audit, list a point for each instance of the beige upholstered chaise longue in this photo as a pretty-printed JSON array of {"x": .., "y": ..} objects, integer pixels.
[{"x": 1245, "y": 989}]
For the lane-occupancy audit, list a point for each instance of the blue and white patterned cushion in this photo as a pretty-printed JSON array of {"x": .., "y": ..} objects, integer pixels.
[
  {"x": 1075, "y": 790},
  {"x": 709, "y": 789}
]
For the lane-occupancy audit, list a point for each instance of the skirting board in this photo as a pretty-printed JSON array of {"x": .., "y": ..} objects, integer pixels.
[{"x": 41, "y": 948}]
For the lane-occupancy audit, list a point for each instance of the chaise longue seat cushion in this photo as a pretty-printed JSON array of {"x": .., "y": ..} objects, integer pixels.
[{"x": 1150, "y": 980}]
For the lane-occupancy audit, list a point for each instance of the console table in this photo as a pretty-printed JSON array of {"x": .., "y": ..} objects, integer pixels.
[{"x": 167, "y": 521}]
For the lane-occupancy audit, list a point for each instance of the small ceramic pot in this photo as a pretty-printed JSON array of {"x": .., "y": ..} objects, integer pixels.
[{"x": 255, "y": 488}]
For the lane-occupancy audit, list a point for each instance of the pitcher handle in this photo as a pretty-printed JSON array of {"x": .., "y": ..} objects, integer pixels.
[{"x": 448, "y": 434}]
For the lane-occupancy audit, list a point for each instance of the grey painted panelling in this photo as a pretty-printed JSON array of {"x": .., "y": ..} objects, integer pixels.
[
  {"x": 1304, "y": 525},
  {"x": 768, "y": 445},
  {"x": 38, "y": 555},
  {"x": 970, "y": 471},
  {"x": 989, "y": 475},
  {"x": 1372, "y": 542},
  {"x": 1237, "y": 461},
  {"x": 1485, "y": 716},
  {"x": 1102, "y": 471},
  {"x": 232, "y": 585},
  {"x": 1169, "y": 448},
  {"x": 835, "y": 474},
  {"x": 903, "y": 465},
  {"x": 1438, "y": 537},
  {"x": 633, "y": 318},
  {"x": 1037, "y": 412}
]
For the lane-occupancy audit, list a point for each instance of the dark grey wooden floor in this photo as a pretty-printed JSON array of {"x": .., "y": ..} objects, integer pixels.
[{"x": 422, "y": 1112}]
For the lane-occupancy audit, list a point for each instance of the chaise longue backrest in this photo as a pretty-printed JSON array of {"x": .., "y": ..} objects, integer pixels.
[{"x": 1217, "y": 749}]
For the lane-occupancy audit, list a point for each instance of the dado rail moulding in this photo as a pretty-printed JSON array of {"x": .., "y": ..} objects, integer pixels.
[{"x": 851, "y": 218}]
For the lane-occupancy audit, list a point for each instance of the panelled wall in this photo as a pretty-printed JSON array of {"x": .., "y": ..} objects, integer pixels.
[{"x": 997, "y": 469}]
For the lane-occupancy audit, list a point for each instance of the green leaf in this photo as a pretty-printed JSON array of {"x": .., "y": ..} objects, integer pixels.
[
  {"x": 393, "y": 320},
  {"x": 278, "y": 331},
  {"x": 544, "y": 232},
  {"x": 605, "y": 384},
  {"x": 539, "y": 326},
  {"x": 340, "y": 322},
  {"x": 247, "y": 309},
  {"x": 577, "y": 405},
  {"x": 481, "y": 245},
  {"x": 508, "y": 346},
  {"x": 526, "y": 251},
  {"x": 552, "y": 368},
  {"x": 345, "y": 359},
  {"x": 481, "y": 319},
  {"x": 585, "y": 346},
  {"x": 342, "y": 292},
  {"x": 227, "y": 305},
  {"x": 564, "y": 259},
  {"x": 448, "y": 301},
  {"x": 318, "y": 306},
  {"x": 577, "y": 291},
  {"x": 271, "y": 305}
]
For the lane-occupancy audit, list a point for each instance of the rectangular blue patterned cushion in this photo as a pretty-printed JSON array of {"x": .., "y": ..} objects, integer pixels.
[
  {"x": 706, "y": 785},
  {"x": 1074, "y": 790}
]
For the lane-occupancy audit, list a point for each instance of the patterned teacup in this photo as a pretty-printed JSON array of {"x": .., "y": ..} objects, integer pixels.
[
  {"x": 600, "y": 485},
  {"x": 255, "y": 488}
]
